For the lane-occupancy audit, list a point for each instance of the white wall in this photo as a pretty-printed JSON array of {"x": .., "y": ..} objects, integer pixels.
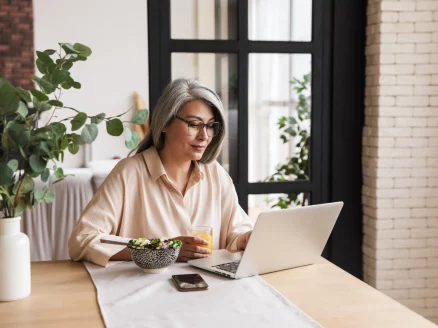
[
  {"x": 400, "y": 153},
  {"x": 116, "y": 31}
]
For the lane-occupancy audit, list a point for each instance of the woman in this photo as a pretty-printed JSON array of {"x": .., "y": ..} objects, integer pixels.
[{"x": 171, "y": 184}]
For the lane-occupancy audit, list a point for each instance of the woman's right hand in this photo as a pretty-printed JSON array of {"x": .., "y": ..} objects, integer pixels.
[{"x": 189, "y": 251}]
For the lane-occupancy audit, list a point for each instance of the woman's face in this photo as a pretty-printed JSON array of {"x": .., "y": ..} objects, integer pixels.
[{"x": 185, "y": 144}]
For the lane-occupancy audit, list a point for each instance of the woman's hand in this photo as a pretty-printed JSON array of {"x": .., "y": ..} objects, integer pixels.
[
  {"x": 242, "y": 240},
  {"x": 189, "y": 251}
]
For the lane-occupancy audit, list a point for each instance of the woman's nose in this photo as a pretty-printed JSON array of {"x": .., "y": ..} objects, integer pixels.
[{"x": 203, "y": 133}]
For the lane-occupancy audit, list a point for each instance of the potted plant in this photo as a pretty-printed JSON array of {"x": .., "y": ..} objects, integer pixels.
[{"x": 29, "y": 151}]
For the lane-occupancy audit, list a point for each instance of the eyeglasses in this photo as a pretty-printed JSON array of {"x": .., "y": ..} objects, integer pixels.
[{"x": 195, "y": 127}]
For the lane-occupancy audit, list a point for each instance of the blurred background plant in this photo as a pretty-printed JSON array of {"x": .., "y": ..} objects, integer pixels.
[
  {"x": 27, "y": 149},
  {"x": 296, "y": 129}
]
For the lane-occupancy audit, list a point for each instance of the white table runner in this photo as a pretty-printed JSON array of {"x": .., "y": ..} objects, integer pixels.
[{"x": 130, "y": 298}]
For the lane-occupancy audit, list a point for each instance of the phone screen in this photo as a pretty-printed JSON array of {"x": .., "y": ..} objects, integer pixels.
[{"x": 189, "y": 282}]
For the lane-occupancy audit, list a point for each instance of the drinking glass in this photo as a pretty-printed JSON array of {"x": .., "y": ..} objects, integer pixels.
[{"x": 203, "y": 232}]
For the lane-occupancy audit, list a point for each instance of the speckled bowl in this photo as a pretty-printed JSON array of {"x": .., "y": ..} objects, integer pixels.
[{"x": 154, "y": 260}]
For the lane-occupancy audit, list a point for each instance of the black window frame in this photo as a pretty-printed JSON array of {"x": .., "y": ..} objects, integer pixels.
[{"x": 332, "y": 44}]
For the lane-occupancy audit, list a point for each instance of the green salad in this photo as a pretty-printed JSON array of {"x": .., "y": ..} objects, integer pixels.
[{"x": 161, "y": 243}]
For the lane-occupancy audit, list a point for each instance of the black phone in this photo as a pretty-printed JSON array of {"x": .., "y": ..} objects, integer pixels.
[{"x": 189, "y": 282}]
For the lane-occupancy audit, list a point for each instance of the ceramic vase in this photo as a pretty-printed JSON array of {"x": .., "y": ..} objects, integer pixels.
[{"x": 14, "y": 261}]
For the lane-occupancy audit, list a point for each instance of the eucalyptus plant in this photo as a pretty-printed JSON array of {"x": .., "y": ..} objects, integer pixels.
[
  {"x": 295, "y": 129},
  {"x": 27, "y": 149}
]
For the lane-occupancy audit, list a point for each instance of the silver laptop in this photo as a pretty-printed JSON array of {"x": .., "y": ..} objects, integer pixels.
[{"x": 281, "y": 239}]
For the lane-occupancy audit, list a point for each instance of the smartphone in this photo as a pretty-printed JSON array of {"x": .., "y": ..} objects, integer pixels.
[{"x": 189, "y": 282}]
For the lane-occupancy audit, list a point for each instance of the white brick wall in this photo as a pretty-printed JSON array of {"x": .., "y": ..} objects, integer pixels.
[{"x": 400, "y": 153}]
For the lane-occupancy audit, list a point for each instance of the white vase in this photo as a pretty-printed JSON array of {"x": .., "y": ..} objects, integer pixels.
[{"x": 14, "y": 261}]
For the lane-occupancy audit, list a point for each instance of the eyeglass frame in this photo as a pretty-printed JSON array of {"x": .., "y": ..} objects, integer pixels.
[{"x": 204, "y": 125}]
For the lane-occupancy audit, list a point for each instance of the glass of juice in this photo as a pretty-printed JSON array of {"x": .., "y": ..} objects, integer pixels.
[{"x": 205, "y": 233}]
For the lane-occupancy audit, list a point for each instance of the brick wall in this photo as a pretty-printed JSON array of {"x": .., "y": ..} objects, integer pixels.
[
  {"x": 16, "y": 42},
  {"x": 400, "y": 153}
]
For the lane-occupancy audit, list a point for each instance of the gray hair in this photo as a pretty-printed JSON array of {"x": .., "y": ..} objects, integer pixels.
[{"x": 176, "y": 94}]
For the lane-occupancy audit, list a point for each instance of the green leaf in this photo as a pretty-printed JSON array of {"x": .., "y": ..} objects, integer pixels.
[
  {"x": 32, "y": 173},
  {"x": 58, "y": 129},
  {"x": 41, "y": 133},
  {"x": 42, "y": 68},
  {"x": 140, "y": 116},
  {"x": 44, "y": 106},
  {"x": 46, "y": 86},
  {"x": 114, "y": 127},
  {"x": 78, "y": 121},
  {"x": 59, "y": 76},
  {"x": 37, "y": 163},
  {"x": 44, "y": 146},
  {"x": 98, "y": 118},
  {"x": 22, "y": 152},
  {"x": 128, "y": 134},
  {"x": 50, "y": 51},
  {"x": 59, "y": 173},
  {"x": 13, "y": 164},
  {"x": 68, "y": 48},
  {"x": 292, "y": 120},
  {"x": 29, "y": 199},
  {"x": 19, "y": 133},
  {"x": 39, "y": 195},
  {"x": 73, "y": 148},
  {"x": 21, "y": 206},
  {"x": 77, "y": 57},
  {"x": 45, "y": 175},
  {"x": 8, "y": 99},
  {"x": 76, "y": 85},
  {"x": 6, "y": 141},
  {"x": 24, "y": 94},
  {"x": 45, "y": 58},
  {"x": 39, "y": 95},
  {"x": 56, "y": 103},
  {"x": 133, "y": 143},
  {"x": 27, "y": 185},
  {"x": 67, "y": 65},
  {"x": 76, "y": 138},
  {"x": 22, "y": 110},
  {"x": 89, "y": 133},
  {"x": 48, "y": 198},
  {"x": 64, "y": 142},
  {"x": 66, "y": 85},
  {"x": 6, "y": 174},
  {"x": 82, "y": 49}
]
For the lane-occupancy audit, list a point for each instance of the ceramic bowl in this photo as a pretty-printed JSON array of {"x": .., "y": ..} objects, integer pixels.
[{"x": 154, "y": 260}]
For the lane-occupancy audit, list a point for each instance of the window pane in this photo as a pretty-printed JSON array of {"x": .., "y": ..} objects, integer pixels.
[
  {"x": 203, "y": 20},
  {"x": 279, "y": 117},
  {"x": 280, "y": 20},
  {"x": 219, "y": 72},
  {"x": 266, "y": 202}
]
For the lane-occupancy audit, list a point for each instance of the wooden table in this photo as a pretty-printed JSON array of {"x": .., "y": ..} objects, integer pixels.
[{"x": 63, "y": 295}]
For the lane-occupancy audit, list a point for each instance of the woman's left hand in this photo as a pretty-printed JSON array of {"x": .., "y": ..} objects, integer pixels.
[
  {"x": 242, "y": 240},
  {"x": 189, "y": 251}
]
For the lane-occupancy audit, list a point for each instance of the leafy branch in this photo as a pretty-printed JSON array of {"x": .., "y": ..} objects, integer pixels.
[{"x": 295, "y": 129}]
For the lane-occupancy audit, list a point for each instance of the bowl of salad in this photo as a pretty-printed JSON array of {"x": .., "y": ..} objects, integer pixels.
[{"x": 154, "y": 255}]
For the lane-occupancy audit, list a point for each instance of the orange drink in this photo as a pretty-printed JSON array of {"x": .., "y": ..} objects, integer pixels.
[{"x": 205, "y": 233}]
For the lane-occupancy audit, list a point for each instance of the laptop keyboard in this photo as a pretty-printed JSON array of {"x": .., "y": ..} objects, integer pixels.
[{"x": 230, "y": 267}]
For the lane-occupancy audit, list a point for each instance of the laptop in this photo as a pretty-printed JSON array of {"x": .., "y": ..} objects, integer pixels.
[{"x": 281, "y": 239}]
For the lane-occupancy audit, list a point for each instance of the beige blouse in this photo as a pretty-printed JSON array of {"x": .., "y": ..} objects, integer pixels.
[{"x": 138, "y": 200}]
